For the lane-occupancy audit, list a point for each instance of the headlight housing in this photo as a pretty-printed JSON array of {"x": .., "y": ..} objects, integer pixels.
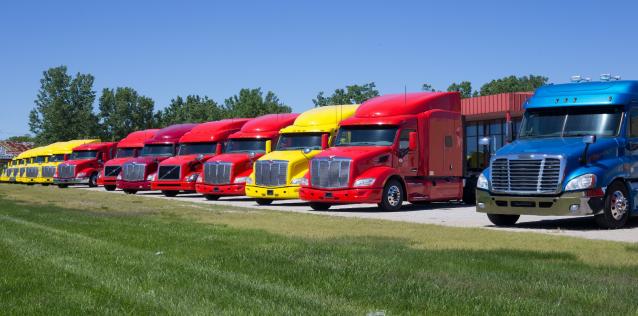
[
  {"x": 586, "y": 181},
  {"x": 482, "y": 183},
  {"x": 119, "y": 177},
  {"x": 299, "y": 181},
  {"x": 241, "y": 180},
  {"x": 192, "y": 178},
  {"x": 365, "y": 182},
  {"x": 81, "y": 175},
  {"x": 150, "y": 177}
]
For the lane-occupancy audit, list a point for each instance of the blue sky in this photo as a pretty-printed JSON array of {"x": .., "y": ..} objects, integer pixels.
[{"x": 297, "y": 48}]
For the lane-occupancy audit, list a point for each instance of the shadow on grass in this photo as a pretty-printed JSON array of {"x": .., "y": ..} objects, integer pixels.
[{"x": 587, "y": 223}]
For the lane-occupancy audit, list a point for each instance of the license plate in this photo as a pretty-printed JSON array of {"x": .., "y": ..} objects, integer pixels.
[
  {"x": 269, "y": 192},
  {"x": 215, "y": 189},
  {"x": 328, "y": 195}
]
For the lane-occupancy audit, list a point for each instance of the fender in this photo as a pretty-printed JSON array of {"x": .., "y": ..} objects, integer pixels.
[
  {"x": 381, "y": 174},
  {"x": 89, "y": 171}
]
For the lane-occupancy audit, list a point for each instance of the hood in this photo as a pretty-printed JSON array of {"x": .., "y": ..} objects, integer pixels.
[
  {"x": 355, "y": 153},
  {"x": 234, "y": 157},
  {"x": 80, "y": 162},
  {"x": 146, "y": 160},
  {"x": 117, "y": 161},
  {"x": 181, "y": 160}
]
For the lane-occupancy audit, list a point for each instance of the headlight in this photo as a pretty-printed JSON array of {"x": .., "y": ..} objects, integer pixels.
[
  {"x": 192, "y": 178},
  {"x": 242, "y": 179},
  {"x": 119, "y": 177},
  {"x": 482, "y": 183},
  {"x": 200, "y": 180},
  {"x": 299, "y": 181},
  {"x": 81, "y": 175},
  {"x": 249, "y": 180},
  {"x": 586, "y": 181},
  {"x": 364, "y": 182},
  {"x": 150, "y": 177}
]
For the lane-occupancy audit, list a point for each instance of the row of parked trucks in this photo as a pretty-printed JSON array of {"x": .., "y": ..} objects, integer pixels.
[{"x": 576, "y": 154}]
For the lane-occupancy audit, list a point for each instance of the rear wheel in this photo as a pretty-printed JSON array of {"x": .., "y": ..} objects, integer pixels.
[
  {"x": 264, "y": 201},
  {"x": 617, "y": 205},
  {"x": 93, "y": 180},
  {"x": 170, "y": 193},
  {"x": 392, "y": 197},
  {"x": 63, "y": 186},
  {"x": 318, "y": 206},
  {"x": 503, "y": 220},
  {"x": 211, "y": 197},
  {"x": 109, "y": 187},
  {"x": 129, "y": 191},
  {"x": 469, "y": 191}
]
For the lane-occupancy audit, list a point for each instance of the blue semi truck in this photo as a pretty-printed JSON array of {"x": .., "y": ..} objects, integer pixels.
[{"x": 576, "y": 154}]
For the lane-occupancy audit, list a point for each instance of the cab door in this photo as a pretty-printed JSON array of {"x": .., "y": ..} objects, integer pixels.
[{"x": 407, "y": 160}]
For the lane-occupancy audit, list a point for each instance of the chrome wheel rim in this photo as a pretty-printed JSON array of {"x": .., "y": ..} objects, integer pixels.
[
  {"x": 618, "y": 205},
  {"x": 394, "y": 195}
]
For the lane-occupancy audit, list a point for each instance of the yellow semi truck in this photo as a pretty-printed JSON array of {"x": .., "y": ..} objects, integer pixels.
[
  {"x": 58, "y": 153},
  {"x": 33, "y": 168},
  {"x": 278, "y": 174},
  {"x": 7, "y": 172},
  {"x": 24, "y": 160}
]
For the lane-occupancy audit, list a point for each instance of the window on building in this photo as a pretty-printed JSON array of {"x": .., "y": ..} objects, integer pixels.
[{"x": 477, "y": 156}]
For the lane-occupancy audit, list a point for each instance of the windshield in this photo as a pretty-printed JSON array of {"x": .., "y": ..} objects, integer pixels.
[
  {"x": 299, "y": 141},
  {"x": 158, "y": 150},
  {"x": 571, "y": 122},
  {"x": 40, "y": 159},
  {"x": 125, "y": 152},
  {"x": 366, "y": 136},
  {"x": 85, "y": 154},
  {"x": 197, "y": 148},
  {"x": 55, "y": 158},
  {"x": 245, "y": 146}
]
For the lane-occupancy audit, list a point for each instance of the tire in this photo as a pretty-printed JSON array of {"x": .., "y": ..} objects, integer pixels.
[
  {"x": 392, "y": 197},
  {"x": 63, "y": 186},
  {"x": 469, "y": 191},
  {"x": 109, "y": 187},
  {"x": 93, "y": 180},
  {"x": 211, "y": 197},
  {"x": 616, "y": 208},
  {"x": 170, "y": 193},
  {"x": 318, "y": 206},
  {"x": 503, "y": 220},
  {"x": 263, "y": 201},
  {"x": 129, "y": 191}
]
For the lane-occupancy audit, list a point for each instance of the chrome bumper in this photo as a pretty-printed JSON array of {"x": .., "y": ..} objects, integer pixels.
[{"x": 572, "y": 203}]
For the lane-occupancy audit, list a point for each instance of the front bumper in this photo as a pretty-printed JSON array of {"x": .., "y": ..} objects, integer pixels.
[
  {"x": 274, "y": 193},
  {"x": 221, "y": 189},
  {"x": 107, "y": 181},
  {"x": 570, "y": 203},
  {"x": 164, "y": 185},
  {"x": 136, "y": 185},
  {"x": 343, "y": 196},
  {"x": 71, "y": 181}
]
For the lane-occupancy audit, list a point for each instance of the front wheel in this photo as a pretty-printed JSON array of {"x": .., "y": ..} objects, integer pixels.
[
  {"x": 129, "y": 191},
  {"x": 93, "y": 180},
  {"x": 392, "y": 197},
  {"x": 109, "y": 187},
  {"x": 318, "y": 206},
  {"x": 616, "y": 211},
  {"x": 211, "y": 197},
  {"x": 63, "y": 186},
  {"x": 264, "y": 201},
  {"x": 503, "y": 220},
  {"x": 170, "y": 193}
]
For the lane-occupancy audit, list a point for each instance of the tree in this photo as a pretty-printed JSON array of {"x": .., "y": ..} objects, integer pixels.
[
  {"x": 252, "y": 103},
  {"x": 354, "y": 94},
  {"x": 513, "y": 84},
  {"x": 194, "y": 109},
  {"x": 465, "y": 88},
  {"x": 64, "y": 107},
  {"x": 26, "y": 138},
  {"x": 123, "y": 111}
]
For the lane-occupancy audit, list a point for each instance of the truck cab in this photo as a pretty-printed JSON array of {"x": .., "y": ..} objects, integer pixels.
[
  {"x": 226, "y": 174},
  {"x": 396, "y": 148},
  {"x": 127, "y": 148},
  {"x": 58, "y": 153},
  {"x": 34, "y": 172},
  {"x": 277, "y": 175},
  {"x": 84, "y": 164},
  {"x": 179, "y": 174},
  {"x": 137, "y": 173},
  {"x": 7, "y": 172},
  {"x": 24, "y": 161},
  {"x": 576, "y": 154}
]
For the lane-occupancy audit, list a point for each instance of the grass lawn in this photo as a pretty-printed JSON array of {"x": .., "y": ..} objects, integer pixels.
[{"x": 73, "y": 251}]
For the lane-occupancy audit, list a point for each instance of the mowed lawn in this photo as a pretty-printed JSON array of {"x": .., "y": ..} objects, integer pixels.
[{"x": 74, "y": 251}]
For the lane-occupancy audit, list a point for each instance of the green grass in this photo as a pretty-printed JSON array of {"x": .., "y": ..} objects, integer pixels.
[{"x": 72, "y": 251}]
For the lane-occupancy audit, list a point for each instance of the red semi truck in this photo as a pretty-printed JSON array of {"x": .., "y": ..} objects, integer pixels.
[
  {"x": 226, "y": 174},
  {"x": 178, "y": 174},
  {"x": 396, "y": 148},
  {"x": 137, "y": 173},
  {"x": 84, "y": 165},
  {"x": 129, "y": 147}
]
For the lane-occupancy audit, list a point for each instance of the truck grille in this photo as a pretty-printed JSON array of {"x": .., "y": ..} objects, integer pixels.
[
  {"x": 112, "y": 171},
  {"x": 48, "y": 171},
  {"x": 22, "y": 170},
  {"x": 217, "y": 172},
  {"x": 168, "y": 172},
  {"x": 330, "y": 173},
  {"x": 514, "y": 175},
  {"x": 133, "y": 172},
  {"x": 271, "y": 172},
  {"x": 32, "y": 172},
  {"x": 66, "y": 171}
]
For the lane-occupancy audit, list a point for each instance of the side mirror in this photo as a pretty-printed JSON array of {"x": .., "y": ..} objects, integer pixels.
[
  {"x": 509, "y": 132},
  {"x": 324, "y": 141},
  {"x": 412, "y": 141},
  {"x": 485, "y": 141},
  {"x": 200, "y": 157},
  {"x": 218, "y": 149},
  {"x": 268, "y": 146},
  {"x": 252, "y": 155},
  {"x": 307, "y": 150}
]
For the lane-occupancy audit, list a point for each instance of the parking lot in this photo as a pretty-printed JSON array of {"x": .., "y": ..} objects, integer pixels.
[{"x": 447, "y": 214}]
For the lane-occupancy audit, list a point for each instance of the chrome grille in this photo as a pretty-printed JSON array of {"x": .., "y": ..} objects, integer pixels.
[
  {"x": 66, "y": 171},
  {"x": 133, "y": 172},
  {"x": 32, "y": 172},
  {"x": 271, "y": 172},
  {"x": 529, "y": 175},
  {"x": 112, "y": 171},
  {"x": 168, "y": 172},
  {"x": 330, "y": 173},
  {"x": 217, "y": 172},
  {"x": 22, "y": 170},
  {"x": 48, "y": 171}
]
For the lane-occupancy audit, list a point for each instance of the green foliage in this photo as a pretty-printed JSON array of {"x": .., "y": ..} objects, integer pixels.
[
  {"x": 354, "y": 94},
  {"x": 64, "y": 107},
  {"x": 465, "y": 88},
  {"x": 252, "y": 103},
  {"x": 26, "y": 138},
  {"x": 513, "y": 84},
  {"x": 194, "y": 109},
  {"x": 123, "y": 111}
]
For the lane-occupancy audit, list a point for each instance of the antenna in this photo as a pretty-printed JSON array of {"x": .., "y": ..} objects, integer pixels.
[{"x": 405, "y": 94}]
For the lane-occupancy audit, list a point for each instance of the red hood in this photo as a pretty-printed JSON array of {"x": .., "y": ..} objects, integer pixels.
[
  {"x": 79, "y": 162},
  {"x": 117, "y": 161},
  {"x": 146, "y": 159},
  {"x": 235, "y": 157},
  {"x": 183, "y": 160},
  {"x": 355, "y": 153}
]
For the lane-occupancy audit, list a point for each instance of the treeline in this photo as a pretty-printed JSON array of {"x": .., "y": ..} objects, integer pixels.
[{"x": 64, "y": 107}]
